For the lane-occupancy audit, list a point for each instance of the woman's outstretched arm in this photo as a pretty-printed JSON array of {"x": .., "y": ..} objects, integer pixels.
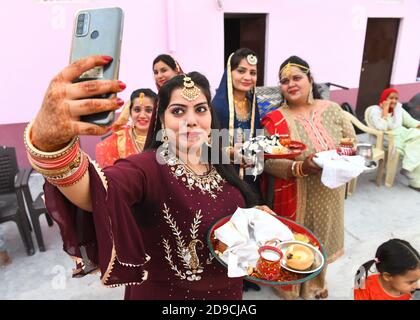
[{"x": 58, "y": 120}]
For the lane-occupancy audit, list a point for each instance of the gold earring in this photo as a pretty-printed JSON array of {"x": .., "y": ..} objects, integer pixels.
[
  {"x": 311, "y": 97},
  {"x": 165, "y": 144},
  {"x": 208, "y": 143},
  {"x": 164, "y": 135}
]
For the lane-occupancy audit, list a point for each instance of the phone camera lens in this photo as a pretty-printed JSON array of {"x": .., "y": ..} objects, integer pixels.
[
  {"x": 82, "y": 24},
  {"x": 94, "y": 34}
]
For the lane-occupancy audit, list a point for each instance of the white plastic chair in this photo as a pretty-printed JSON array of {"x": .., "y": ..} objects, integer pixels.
[
  {"x": 378, "y": 153},
  {"x": 392, "y": 157}
]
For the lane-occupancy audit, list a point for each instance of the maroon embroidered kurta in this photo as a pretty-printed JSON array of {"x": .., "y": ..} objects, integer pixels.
[{"x": 149, "y": 229}]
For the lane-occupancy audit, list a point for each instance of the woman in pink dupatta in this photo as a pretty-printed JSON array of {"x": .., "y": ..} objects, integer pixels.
[{"x": 320, "y": 125}]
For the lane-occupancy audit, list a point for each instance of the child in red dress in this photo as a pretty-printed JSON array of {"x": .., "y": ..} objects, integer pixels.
[{"x": 398, "y": 264}]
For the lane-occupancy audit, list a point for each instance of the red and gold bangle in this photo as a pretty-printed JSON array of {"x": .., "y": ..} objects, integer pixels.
[
  {"x": 296, "y": 171},
  {"x": 61, "y": 168},
  {"x": 61, "y": 162},
  {"x": 73, "y": 176},
  {"x": 42, "y": 154},
  {"x": 300, "y": 170},
  {"x": 55, "y": 171}
]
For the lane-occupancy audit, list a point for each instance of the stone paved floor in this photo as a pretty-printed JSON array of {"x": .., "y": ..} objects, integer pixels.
[{"x": 372, "y": 216}]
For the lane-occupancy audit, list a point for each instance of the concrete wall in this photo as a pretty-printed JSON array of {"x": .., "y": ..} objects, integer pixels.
[{"x": 329, "y": 34}]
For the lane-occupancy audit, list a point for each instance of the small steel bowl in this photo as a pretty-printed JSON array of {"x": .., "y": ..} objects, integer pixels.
[
  {"x": 370, "y": 165},
  {"x": 365, "y": 150}
]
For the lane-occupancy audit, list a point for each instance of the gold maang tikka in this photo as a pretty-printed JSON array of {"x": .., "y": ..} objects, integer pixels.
[
  {"x": 139, "y": 140},
  {"x": 252, "y": 60},
  {"x": 190, "y": 90},
  {"x": 289, "y": 65},
  {"x": 141, "y": 98}
]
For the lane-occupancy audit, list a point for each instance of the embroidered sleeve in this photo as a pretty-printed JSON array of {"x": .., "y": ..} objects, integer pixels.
[{"x": 91, "y": 239}]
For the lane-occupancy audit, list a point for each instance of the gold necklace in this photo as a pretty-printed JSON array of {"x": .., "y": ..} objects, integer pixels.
[
  {"x": 241, "y": 108},
  {"x": 139, "y": 140},
  {"x": 241, "y": 105}
]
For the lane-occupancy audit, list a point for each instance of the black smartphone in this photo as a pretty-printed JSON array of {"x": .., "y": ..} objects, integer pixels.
[{"x": 98, "y": 32}]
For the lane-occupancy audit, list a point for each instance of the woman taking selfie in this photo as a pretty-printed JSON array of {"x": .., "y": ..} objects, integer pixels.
[{"x": 151, "y": 211}]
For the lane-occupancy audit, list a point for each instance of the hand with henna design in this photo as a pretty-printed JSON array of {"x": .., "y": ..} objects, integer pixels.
[{"x": 57, "y": 122}]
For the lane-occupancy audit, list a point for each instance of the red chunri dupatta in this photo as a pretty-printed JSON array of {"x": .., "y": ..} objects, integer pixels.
[{"x": 285, "y": 190}]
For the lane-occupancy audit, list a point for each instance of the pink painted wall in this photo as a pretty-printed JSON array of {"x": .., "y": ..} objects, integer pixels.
[
  {"x": 12, "y": 136},
  {"x": 328, "y": 33}
]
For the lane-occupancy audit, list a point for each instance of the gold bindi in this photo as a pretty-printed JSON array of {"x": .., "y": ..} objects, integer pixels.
[{"x": 190, "y": 90}]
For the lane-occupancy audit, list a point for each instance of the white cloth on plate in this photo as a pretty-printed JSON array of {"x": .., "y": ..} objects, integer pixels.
[
  {"x": 247, "y": 230},
  {"x": 338, "y": 170}
]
